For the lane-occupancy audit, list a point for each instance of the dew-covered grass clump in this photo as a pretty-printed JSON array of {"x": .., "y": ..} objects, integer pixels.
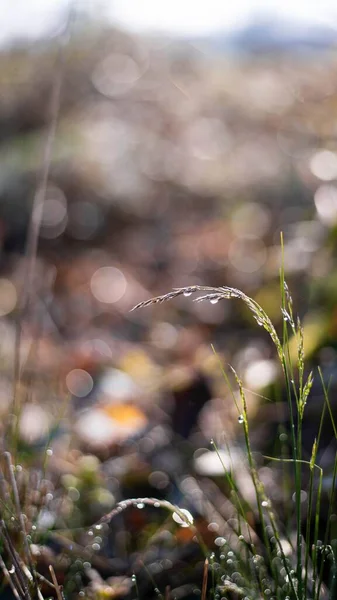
[{"x": 264, "y": 554}]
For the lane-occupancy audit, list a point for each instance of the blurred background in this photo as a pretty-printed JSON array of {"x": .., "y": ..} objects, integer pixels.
[{"x": 177, "y": 142}]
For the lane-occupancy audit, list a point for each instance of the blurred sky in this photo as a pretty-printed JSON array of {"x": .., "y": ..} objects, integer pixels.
[{"x": 31, "y": 19}]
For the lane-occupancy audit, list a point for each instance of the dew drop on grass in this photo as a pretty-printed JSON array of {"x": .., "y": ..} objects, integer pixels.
[
  {"x": 49, "y": 452},
  {"x": 11, "y": 570},
  {"x": 220, "y": 541},
  {"x": 187, "y": 294},
  {"x": 184, "y": 521},
  {"x": 140, "y": 505},
  {"x": 265, "y": 503},
  {"x": 157, "y": 505},
  {"x": 240, "y": 419},
  {"x": 134, "y": 579},
  {"x": 214, "y": 300}
]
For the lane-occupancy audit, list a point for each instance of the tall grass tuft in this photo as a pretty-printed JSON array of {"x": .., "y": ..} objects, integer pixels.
[{"x": 272, "y": 562}]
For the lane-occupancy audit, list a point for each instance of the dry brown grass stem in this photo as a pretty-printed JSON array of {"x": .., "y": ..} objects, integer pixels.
[
  {"x": 214, "y": 295},
  {"x": 204, "y": 580}
]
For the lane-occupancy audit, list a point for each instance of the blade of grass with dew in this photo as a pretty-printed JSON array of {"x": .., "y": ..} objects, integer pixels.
[
  {"x": 164, "y": 504},
  {"x": 318, "y": 500},
  {"x": 259, "y": 489},
  {"x": 241, "y": 513},
  {"x": 239, "y": 506},
  {"x": 231, "y": 481},
  {"x": 295, "y": 428},
  {"x": 333, "y": 484},
  {"x": 312, "y": 465},
  {"x": 309, "y": 515}
]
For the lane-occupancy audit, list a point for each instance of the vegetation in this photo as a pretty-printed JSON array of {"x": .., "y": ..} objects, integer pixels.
[{"x": 267, "y": 552}]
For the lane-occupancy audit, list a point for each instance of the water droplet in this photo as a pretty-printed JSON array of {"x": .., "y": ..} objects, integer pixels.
[
  {"x": 157, "y": 505},
  {"x": 140, "y": 505},
  {"x": 241, "y": 419},
  {"x": 96, "y": 547},
  {"x": 18, "y": 468},
  {"x": 49, "y": 452},
  {"x": 241, "y": 538},
  {"x": 81, "y": 594},
  {"x": 265, "y": 503},
  {"x": 214, "y": 300},
  {"x": 90, "y": 532},
  {"x": 187, "y": 294},
  {"x": 219, "y": 541},
  {"x": 98, "y": 527},
  {"x": 185, "y": 519},
  {"x": 134, "y": 578},
  {"x": 33, "y": 527},
  {"x": 11, "y": 570}
]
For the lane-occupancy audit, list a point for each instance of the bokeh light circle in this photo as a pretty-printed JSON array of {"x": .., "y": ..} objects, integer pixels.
[
  {"x": 108, "y": 285},
  {"x": 79, "y": 382}
]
